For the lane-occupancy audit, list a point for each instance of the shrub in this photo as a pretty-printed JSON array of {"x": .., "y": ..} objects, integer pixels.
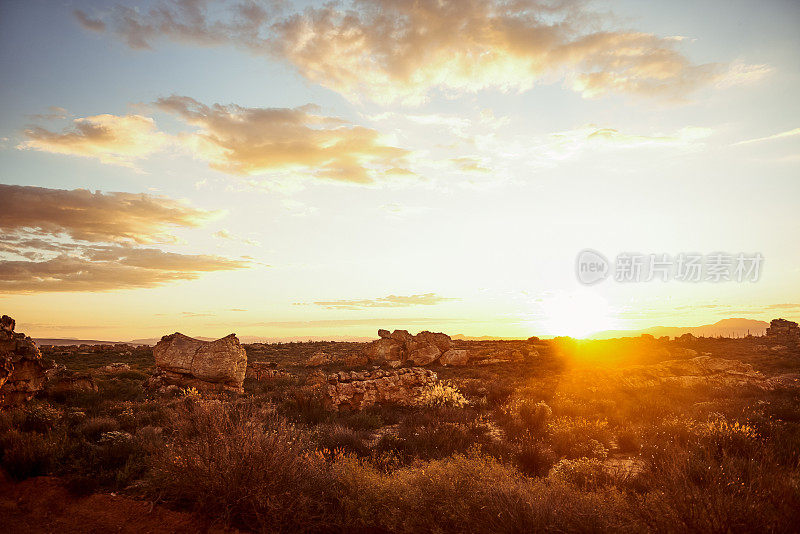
[
  {"x": 576, "y": 437},
  {"x": 442, "y": 394},
  {"x": 25, "y": 454},
  {"x": 242, "y": 465},
  {"x": 586, "y": 473},
  {"x": 629, "y": 441},
  {"x": 524, "y": 418},
  {"x": 340, "y": 438},
  {"x": 534, "y": 458},
  {"x": 94, "y": 427}
]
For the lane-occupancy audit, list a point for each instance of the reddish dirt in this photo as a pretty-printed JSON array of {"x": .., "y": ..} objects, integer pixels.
[{"x": 42, "y": 504}]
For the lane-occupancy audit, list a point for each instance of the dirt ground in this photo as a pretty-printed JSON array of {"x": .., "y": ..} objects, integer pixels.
[{"x": 42, "y": 504}]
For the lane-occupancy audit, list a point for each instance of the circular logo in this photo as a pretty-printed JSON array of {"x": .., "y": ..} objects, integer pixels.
[{"x": 591, "y": 267}]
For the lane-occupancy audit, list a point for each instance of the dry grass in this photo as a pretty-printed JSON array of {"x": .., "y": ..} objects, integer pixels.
[{"x": 499, "y": 449}]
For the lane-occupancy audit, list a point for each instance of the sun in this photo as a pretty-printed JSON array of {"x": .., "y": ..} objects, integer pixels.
[{"x": 575, "y": 314}]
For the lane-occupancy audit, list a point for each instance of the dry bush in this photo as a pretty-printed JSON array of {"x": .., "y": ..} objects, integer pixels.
[
  {"x": 335, "y": 437},
  {"x": 94, "y": 427},
  {"x": 467, "y": 494},
  {"x": 585, "y": 473},
  {"x": 242, "y": 465},
  {"x": 524, "y": 418},
  {"x": 579, "y": 437},
  {"x": 25, "y": 454},
  {"x": 701, "y": 489},
  {"x": 442, "y": 395},
  {"x": 533, "y": 457}
]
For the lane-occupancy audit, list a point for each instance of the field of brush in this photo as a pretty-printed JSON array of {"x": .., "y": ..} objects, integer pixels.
[{"x": 504, "y": 447}]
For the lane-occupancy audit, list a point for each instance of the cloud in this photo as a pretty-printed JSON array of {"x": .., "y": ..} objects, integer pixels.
[
  {"x": 225, "y": 234},
  {"x": 82, "y": 241},
  {"x": 234, "y": 140},
  {"x": 401, "y": 51},
  {"x": 389, "y": 322},
  {"x": 247, "y": 141},
  {"x": 469, "y": 164},
  {"x": 98, "y": 269},
  {"x": 96, "y": 217},
  {"x": 391, "y": 301},
  {"x": 89, "y": 23},
  {"x": 116, "y": 140},
  {"x": 790, "y": 133},
  {"x": 55, "y": 113}
]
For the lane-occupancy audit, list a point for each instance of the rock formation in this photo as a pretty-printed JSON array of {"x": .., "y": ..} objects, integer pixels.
[
  {"x": 318, "y": 359},
  {"x": 400, "y": 347},
  {"x": 355, "y": 390},
  {"x": 22, "y": 369},
  {"x": 60, "y": 382},
  {"x": 454, "y": 357},
  {"x": 783, "y": 331},
  {"x": 264, "y": 371},
  {"x": 210, "y": 365}
]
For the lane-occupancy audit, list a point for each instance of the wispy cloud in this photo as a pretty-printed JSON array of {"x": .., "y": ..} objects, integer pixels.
[
  {"x": 390, "y": 301},
  {"x": 782, "y": 135},
  {"x": 390, "y": 51},
  {"x": 112, "y": 139}
]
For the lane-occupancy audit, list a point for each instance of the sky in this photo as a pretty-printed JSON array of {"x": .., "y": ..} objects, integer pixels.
[{"x": 296, "y": 169}]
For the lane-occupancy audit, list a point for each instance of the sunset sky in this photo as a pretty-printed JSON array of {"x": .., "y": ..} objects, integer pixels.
[{"x": 283, "y": 169}]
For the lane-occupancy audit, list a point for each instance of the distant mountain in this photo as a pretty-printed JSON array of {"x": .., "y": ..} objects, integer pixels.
[
  {"x": 71, "y": 341},
  {"x": 261, "y": 339},
  {"x": 724, "y": 328}
]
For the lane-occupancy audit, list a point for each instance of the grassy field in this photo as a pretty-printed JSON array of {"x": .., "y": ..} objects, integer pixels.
[{"x": 508, "y": 447}]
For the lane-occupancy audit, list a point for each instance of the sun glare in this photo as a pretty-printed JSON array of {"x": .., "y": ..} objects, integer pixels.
[{"x": 576, "y": 314}]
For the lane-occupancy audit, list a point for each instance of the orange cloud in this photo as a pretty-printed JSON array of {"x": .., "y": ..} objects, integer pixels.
[
  {"x": 235, "y": 140},
  {"x": 400, "y": 51},
  {"x": 248, "y": 141},
  {"x": 117, "y": 140},
  {"x": 81, "y": 214},
  {"x": 82, "y": 241},
  {"x": 92, "y": 269}
]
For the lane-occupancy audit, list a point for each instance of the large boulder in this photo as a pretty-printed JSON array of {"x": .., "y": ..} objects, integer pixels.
[
  {"x": 60, "y": 382},
  {"x": 454, "y": 357},
  {"x": 421, "y": 353},
  {"x": 188, "y": 362},
  {"x": 356, "y": 390},
  {"x": 441, "y": 341},
  {"x": 318, "y": 358},
  {"x": 400, "y": 347},
  {"x": 22, "y": 369},
  {"x": 384, "y": 350}
]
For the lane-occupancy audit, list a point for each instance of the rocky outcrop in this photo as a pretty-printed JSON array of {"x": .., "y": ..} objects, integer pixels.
[
  {"x": 22, "y": 369},
  {"x": 702, "y": 370},
  {"x": 783, "y": 332},
  {"x": 356, "y": 390},
  {"x": 318, "y": 359},
  {"x": 401, "y": 348},
  {"x": 264, "y": 371},
  {"x": 60, "y": 382},
  {"x": 454, "y": 357},
  {"x": 218, "y": 365}
]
